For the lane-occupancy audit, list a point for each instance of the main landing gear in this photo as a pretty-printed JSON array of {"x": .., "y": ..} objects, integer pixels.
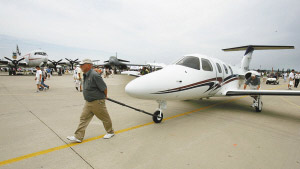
[{"x": 257, "y": 103}]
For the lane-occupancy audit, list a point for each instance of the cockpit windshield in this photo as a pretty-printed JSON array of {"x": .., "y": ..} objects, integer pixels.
[
  {"x": 190, "y": 61},
  {"x": 40, "y": 53}
]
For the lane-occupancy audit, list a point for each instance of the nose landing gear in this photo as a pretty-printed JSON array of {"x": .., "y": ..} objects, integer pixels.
[{"x": 158, "y": 116}]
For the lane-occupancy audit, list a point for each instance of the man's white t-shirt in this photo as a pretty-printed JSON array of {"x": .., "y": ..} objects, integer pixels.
[
  {"x": 37, "y": 75},
  {"x": 291, "y": 75},
  {"x": 79, "y": 71}
]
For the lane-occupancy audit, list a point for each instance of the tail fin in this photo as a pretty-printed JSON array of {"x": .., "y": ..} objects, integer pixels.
[{"x": 249, "y": 50}]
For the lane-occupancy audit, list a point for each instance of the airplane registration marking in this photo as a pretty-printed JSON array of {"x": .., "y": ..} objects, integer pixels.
[{"x": 13, "y": 160}]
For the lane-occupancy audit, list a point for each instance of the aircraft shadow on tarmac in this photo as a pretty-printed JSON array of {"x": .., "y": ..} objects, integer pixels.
[{"x": 242, "y": 107}]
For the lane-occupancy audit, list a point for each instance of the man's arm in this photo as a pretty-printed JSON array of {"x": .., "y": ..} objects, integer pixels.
[{"x": 105, "y": 92}]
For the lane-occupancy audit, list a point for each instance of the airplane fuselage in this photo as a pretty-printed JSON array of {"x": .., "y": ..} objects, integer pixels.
[
  {"x": 192, "y": 77},
  {"x": 36, "y": 58}
]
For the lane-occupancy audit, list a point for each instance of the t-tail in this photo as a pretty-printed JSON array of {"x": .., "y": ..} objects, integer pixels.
[{"x": 249, "y": 50}]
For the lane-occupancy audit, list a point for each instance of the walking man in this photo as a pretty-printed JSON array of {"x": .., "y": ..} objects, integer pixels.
[
  {"x": 291, "y": 80},
  {"x": 38, "y": 78},
  {"x": 297, "y": 77},
  {"x": 95, "y": 93}
]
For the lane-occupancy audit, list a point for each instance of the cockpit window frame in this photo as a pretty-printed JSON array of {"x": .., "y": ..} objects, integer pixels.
[
  {"x": 190, "y": 62},
  {"x": 219, "y": 68},
  {"x": 40, "y": 53},
  {"x": 209, "y": 63},
  {"x": 230, "y": 70},
  {"x": 225, "y": 68}
]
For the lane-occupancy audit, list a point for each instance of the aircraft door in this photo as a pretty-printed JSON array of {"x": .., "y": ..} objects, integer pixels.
[
  {"x": 210, "y": 70},
  {"x": 219, "y": 78},
  {"x": 220, "y": 73}
]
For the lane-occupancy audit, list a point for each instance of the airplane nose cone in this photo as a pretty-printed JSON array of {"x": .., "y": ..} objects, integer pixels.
[{"x": 135, "y": 89}]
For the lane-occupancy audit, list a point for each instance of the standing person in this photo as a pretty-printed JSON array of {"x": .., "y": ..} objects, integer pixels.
[
  {"x": 44, "y": 77},
  {"x": 49, "y": 73},
  {"x": 79, "y": 78},
  {"x": 95, "y": 93},
  {"x": 38, "y": 78},
  {"x": 285, "y": 76},
  {"x": 291, "y": 80},
  {"x": 297, "y": 77},
  {"x": 75, "y": 74},
  {"x": 75, "y": 77}
]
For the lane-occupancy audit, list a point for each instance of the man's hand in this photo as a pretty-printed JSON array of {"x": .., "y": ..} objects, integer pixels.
[
  {"x": 245, "y": 86},
  {"x": 258, "y": 87}
]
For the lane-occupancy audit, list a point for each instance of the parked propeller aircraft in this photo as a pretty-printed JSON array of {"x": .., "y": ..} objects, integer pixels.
[
  {"x": 32, "y": 59},
  {"x": 198, "y": 76}
]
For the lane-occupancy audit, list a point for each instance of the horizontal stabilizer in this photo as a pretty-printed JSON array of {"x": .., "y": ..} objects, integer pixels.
[
  {"x": 258, "y": 47},
  {"x": 262, "y": 92}
]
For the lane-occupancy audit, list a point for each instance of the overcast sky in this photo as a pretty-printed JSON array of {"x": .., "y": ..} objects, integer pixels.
[{"x": 153, "y": 30}]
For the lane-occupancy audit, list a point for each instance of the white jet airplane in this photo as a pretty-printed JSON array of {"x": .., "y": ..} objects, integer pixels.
[
  {"x": 197, "y": 76},
  {"x": 32, "y": 59}
]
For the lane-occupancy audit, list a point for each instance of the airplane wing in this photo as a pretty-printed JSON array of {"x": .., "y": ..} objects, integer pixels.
[
  {"x": 121, "y": 60},
  {"x": 128, "y": 64},
  {"x": 262, "y": 92},
  {"x": 3, "y": 62},
  {"x": 131, "y": 73}
]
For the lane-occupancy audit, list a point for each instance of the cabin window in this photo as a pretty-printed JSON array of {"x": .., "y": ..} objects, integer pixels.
[
  {"x": 230, "y": 70},
  {"x": 190, "y": 61},
  {"x": 206, "y": 65},
  {"x": 226, "y": 70},
  {"x": 219, "y": 68}
]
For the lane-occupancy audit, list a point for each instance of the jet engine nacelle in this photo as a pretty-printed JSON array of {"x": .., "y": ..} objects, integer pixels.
[{"x": 249, "y": 73}]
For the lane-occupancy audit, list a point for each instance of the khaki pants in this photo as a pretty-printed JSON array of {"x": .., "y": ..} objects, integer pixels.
[{"x": 97, "y": 108}]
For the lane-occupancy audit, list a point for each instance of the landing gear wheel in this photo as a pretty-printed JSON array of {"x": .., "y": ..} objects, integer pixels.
[{"x": 156, "y": 118}]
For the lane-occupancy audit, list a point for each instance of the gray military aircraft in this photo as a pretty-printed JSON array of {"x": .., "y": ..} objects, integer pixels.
[{"x": 120, "y": 64}]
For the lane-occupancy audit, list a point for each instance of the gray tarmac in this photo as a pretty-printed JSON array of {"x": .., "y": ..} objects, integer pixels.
[{"x": 213, "y": 133}]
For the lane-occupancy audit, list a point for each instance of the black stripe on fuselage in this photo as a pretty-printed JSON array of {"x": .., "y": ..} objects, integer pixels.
[{"x": 209, "y": 82}]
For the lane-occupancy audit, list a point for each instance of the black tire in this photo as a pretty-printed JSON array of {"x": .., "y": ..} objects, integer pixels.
[
  {"x": 267, "y": 82},
  {"x": 157, "y": 119}
]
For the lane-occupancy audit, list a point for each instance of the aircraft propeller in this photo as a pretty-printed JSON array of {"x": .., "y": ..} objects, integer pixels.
[
  {"x": 72, "y": 62},
  {"x": 15, "y": 62},
  {"x": 55, "y": 63}
]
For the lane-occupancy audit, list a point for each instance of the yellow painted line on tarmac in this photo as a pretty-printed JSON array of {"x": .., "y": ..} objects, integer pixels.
[{"x": 101, "y": 136}]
